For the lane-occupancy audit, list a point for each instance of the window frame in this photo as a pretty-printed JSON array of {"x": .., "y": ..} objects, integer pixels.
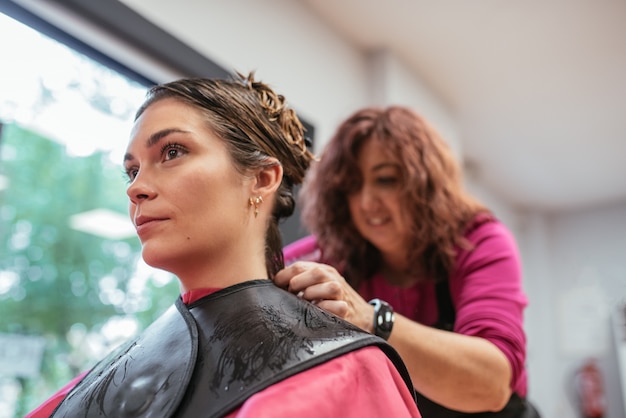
[{"x": 126, "y": 30}]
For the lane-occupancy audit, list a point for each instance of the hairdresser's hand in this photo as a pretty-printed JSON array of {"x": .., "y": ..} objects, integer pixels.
[{"x": 324, "y": 286}]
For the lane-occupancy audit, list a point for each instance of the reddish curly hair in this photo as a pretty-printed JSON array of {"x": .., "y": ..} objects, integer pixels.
[{"x": 432, "y": 192}]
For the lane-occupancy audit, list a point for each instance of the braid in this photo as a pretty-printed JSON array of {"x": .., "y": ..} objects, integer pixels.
[{"x": 275, "y": 107}]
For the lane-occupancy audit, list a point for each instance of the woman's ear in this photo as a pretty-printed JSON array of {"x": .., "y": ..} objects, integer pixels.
[{"x": 267, "y": 178}]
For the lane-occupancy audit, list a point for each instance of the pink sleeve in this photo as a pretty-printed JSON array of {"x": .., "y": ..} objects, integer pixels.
[
  {"x": 46, "y": 408},
  {"x": 303, "y": 249},
  {"x": 358, "y": 384},
  {"x": 486, "y": 289}
]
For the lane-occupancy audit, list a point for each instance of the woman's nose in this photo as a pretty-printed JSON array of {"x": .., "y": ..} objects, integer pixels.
[
  {"x": 367, "y": 198},
  {"x": 140, "y": 189}
]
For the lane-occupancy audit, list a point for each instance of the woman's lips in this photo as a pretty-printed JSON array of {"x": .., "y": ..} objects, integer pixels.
[
  {"x": 146, "y": 223},
  {"x": 378, "y": 221}
]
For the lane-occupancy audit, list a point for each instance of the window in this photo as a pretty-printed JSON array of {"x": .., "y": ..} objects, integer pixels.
[{"x": 72, "y": 282}]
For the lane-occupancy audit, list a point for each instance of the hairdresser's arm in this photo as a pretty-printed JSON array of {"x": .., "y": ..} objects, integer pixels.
[{"x": 461, "y": 372}]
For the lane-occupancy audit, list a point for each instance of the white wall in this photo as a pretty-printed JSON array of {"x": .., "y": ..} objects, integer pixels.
[
  {"x": 589, "y": 256},
  {"x": 325, "y": 78},
  {"x": 392, "y": 83},
  {"x": 575, "y": 275},
  {"x": 321, "y": 75},
  {"x": 543, "y": 379}
]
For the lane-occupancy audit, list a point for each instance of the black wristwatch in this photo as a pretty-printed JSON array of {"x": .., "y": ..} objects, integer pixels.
[{"x": 383, "y": 318}]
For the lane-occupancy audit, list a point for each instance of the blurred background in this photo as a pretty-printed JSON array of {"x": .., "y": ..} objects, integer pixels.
[{"x": 530, "y": 95}]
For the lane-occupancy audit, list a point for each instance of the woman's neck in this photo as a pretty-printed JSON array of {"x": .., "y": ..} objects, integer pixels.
[
  {"x": 395, "y": 270},
  {"x": 219, "y": 275}
]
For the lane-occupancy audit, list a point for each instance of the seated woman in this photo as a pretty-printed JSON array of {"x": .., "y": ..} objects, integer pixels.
[{"x": 211, "y": 165}]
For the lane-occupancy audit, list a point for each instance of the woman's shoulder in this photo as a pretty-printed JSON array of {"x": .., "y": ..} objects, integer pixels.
[
  {"x": 320, "y": 391},
  {"x": 493, "y": 252},
  {"x": 486, "y": 225},
  {"x": 491, "y": 243}
]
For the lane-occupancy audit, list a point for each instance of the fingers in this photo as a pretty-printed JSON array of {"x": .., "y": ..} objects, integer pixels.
[
  {"x": 284, "y": 276},
  {"x": 281, "y": 279},
  {"x": 337, "y": 307},
  {"x": 326, "y": 290},
  {"x": 303, "y": 274}
]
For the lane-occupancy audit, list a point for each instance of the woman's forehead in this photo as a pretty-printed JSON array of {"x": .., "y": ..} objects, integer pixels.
[{"x": 374, "y": 148}]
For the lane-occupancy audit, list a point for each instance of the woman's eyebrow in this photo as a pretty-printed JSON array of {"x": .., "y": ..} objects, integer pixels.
[
  {"x": 155, "y": 138},
  {"x": 384, "y": 165}
]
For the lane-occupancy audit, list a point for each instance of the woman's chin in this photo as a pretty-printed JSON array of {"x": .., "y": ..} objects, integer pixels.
[{"x": 156, "y": 259}]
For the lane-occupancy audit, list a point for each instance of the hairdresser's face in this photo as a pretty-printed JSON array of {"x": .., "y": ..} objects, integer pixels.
[
  {"x": 187, "y": 201},
  {"x": 375, "y": 207}
]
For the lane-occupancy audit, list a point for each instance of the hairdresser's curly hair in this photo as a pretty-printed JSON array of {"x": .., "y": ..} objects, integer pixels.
[
  {"x": 432, "y": 194},
  {"x": 255, "y": 123}
]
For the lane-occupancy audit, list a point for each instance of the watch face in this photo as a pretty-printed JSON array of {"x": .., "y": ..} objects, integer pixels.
[
  {"x": 387, "y": 322},
  {"x": 383, "y": 318}
]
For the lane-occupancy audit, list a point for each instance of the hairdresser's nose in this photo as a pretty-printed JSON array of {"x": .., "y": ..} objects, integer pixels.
[
  {"x": 141, "y": 188},
  {"x": 368, "y": 198}
]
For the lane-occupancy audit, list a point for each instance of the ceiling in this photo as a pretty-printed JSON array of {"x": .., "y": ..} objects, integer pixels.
[{"x": 538, "y": 88}]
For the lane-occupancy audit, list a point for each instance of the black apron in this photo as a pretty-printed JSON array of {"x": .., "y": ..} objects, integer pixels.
[{"x": 206, "y": 359}]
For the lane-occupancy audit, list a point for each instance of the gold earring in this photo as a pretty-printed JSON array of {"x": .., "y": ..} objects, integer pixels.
[{"x": 256, "y": 202}]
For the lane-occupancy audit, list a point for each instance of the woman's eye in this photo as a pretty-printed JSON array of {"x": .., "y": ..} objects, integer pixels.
[
  {"x": 131, "y": 173},
  {"x": 172, "y": 151},
  {"x": 387, "y": 180},
  {"x": 171, "y": 154}
]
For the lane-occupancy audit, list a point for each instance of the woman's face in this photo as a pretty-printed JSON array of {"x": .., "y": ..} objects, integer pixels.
[
  {"x": 376, "y": 207},
  {"x": 187, "y": 201}
]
